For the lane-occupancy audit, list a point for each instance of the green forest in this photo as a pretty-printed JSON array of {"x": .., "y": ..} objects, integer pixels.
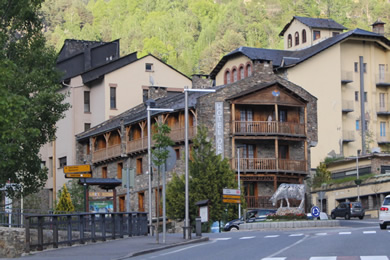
[{"x": 192, "y": 35}]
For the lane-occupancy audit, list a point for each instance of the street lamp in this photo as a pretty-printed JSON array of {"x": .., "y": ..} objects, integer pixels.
[
  {"x": 357, "y": 181},
  {"x": 187, "y": 218},
  {"x": 239, "y": 182},
  {"x": 150, "y": 103}
]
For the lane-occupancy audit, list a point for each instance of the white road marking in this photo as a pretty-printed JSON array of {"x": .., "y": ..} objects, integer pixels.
[
  {"x": 287, "y": 247},
  {"x": 182, "y": 249},
  {"x": 274, "y": 258},
  {"x": 247, "y": 237},
  {"x": 321, "y": 234},
  {"x": 323, "y": 258},
  {"x": 296, "y": 235},
  {"x": 344, "y": 233},
  {"x": 369, "y": 232},
  {"x": 222, "y": 238},
  {"x": 270, "y": 236},
  {"x": 379, "y": 257}
]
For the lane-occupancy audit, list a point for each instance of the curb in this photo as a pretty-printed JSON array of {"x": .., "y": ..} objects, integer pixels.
[{"x": 151, "y": 250}]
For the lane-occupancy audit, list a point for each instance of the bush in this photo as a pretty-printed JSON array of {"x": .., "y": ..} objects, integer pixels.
[{"x": 289, "y": 216}]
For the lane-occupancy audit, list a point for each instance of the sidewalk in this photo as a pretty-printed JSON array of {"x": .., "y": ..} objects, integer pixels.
[{"x": 118, "y": 249}]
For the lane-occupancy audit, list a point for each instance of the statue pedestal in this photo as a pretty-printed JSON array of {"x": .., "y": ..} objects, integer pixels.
[{"x": 285, "y": 211}]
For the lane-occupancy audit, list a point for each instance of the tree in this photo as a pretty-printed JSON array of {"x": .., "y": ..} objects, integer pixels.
[
  {"x": 160, "y": 155},
  {"x": 176, "y": 197},
  {"x": 76, "y": 192},
  {"x": 323, "y": 175},
  {"x": 30, "y": 105},
  {"x": 65, "y": 203}
]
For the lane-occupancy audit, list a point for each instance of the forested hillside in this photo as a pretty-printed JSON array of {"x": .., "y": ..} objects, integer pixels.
[{"x": 192, "y": 35}]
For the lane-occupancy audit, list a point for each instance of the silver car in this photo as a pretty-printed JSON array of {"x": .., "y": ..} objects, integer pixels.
[{"x": 384, "y": 213}]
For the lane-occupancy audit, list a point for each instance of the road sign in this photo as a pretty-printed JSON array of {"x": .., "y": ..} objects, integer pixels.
[
  {"x": 231, "y": 192},
  {"x": 78, "y": 175},
  {"x": 101, "y": 194},
  {"x": 77, "y": 168},
  {"x": 236, "y": 201},
  {"x": 315, "y": 211}
]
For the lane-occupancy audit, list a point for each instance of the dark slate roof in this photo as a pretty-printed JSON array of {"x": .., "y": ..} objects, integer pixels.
[
  {"x": 139, "y": 113},
  {"x": 98, "y": 72},
  {"x": 318, "y": 23},
  {"x": 74, "y": 47},
  {"x": 284, "y": 59}
]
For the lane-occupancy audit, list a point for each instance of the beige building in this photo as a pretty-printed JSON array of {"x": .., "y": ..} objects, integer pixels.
[
  {"x": 347, "y": 72},
  {"x": 100, "y": 85}
]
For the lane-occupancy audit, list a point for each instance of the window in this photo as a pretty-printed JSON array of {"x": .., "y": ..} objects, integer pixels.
[
  {"x": 283, "y": 152},
  {"x": 366, "y": 124},
  {"x": 365, "y": 67},
  {"x": 51, "y": 166},
  {"x": 381, "y": 72},
  {"x": 242, "y": 72},
  {"x": 227, "y": 77},
  {"x": 316, "y": 35},
  {"x": 112, "y": 97},
  {"x": 246, "y": 116},
  {"x": 235, "y": 75},
  {"x": 296, "y": 38},
  {"x": 119, "y": 170},
  {"x": 383, "y": 129},
  {"x": 87, "y": 101},
  {"x": 62, "y": 162},
  {"x": 148, "y": 66},
  {"x": 177, "y": 151},
  {"x": 104, "y": 172},
  {"x": 248, "y": 70},
  {"x": 382, "y": 101},
  {"x": 303, "y": 36},
  {"x": 356, "y": 95},
  {"x": 87, "y": 126},
  {"x": 139, "y": 166},
  {"x": 289, "y": 41},
  {"x": 365, "y": 96},
  {"x": 357, "y": 123},
  {"x": 88, "y": 148},
  {"x": 141, "y": 199},
  {"x": 356, "y": 66},
  {"x": 283, "y": 116}
]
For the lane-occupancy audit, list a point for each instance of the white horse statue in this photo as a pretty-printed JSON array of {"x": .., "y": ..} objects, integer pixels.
[{"x": 286, "y": 191}]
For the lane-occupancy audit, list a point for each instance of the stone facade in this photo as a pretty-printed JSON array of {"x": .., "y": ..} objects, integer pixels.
[{"x": 11, "y": 242}]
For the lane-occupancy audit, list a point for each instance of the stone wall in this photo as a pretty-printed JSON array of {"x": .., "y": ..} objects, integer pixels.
[{"x": 11, "y": 242}]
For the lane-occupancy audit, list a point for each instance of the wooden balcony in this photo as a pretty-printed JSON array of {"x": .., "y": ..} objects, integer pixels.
[
  {"x": 258, "y": 202},
  {"x": 106, "y": 153},
  {"x": 267, "y": 128},
  {"x": 269, "y": 164},
  {"x": 177, "y": 135}
]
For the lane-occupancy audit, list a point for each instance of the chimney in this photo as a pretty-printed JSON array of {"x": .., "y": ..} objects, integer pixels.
[
  {"x": 156, "y": 92},
  {"x": 378, "y": 27},
  {"x": 201, "y": 81}
]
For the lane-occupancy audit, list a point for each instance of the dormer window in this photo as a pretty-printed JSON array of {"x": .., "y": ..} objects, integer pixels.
[
  {"x": 296, "y": 38},
  {"x": 303, "y": 36},
  {"x": 289, "y": 41},
  {"x": 316, "y": 35}
]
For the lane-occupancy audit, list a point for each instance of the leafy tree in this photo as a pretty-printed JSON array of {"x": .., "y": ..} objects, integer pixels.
[
  {"x": 160, "y": 155},
  {"x": 323, "y": 175},
  {"x": 65, "y": 202},
  {"x": 76, "y": 192},
  {"x": 30, "y": 105},
  {"x": 176, "y": 197}
]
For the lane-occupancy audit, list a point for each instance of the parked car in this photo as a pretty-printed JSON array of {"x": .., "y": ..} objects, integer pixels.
[
  {"x": 347, "y": 210},
  {"x": 384, "y": 213},
  {"x": 253, "y": 215}
]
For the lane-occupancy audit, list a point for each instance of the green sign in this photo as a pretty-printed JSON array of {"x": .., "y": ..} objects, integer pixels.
[{"x": 101, "y": 206}]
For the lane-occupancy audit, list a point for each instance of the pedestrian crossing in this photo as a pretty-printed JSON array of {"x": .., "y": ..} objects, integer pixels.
[{"x": 379, "y": 257}]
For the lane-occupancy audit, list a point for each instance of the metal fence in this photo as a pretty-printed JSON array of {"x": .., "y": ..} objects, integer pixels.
[
  {"x": 15, "y": 217},
  {"x": 52, "y": 230}
]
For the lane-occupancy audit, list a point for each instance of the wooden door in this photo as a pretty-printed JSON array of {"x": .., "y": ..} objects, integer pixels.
[
  {"x": 141, "y": 200},
  {"x": 122, "y": 200}
]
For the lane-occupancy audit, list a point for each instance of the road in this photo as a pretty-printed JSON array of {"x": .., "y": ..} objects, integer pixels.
[{"x": 355, "y": 239}]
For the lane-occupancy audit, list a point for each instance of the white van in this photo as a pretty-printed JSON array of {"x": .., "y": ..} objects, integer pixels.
[{"x": 384, "y": 213}]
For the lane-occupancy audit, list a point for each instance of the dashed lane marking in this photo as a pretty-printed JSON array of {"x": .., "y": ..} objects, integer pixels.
[
  {"x": 321, "y": 234},
  {"x": 271, "y": 236},
  {"x": 296, "y": 235},
  {"x": 222, "y": 238},
  {"x": 344, "y": 233},
  {"x": 247, "y": 237},
  {"x": 369, "y": 232}
]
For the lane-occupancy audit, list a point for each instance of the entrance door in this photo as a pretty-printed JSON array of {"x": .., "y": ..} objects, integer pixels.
[
  {"x": 122, "y": 203},
  {"x": 250, "y": 191},
  {"x": 141, "y": 197}
]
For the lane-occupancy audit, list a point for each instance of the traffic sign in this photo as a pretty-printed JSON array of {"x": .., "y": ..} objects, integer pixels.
[
  {"x": 231, "y": 192},
  {"x": 236, "y": 201},
  {"x": 315, "y": 211},
  {"x": 77, "y": 168},
  {"x": 78, "y": 175}
]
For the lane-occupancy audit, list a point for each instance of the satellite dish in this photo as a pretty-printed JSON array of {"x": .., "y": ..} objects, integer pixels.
[
  {"x": 151, "y": 80},
  {"x": 376, "y": 150},
  {"x": 171, "y": 160}
]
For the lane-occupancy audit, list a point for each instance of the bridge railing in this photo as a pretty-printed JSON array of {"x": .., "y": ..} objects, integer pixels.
[{"x": 52, "y": 230}]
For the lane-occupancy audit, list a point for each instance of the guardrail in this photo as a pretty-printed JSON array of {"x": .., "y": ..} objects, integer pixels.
[{"x": 43, "y": 231}]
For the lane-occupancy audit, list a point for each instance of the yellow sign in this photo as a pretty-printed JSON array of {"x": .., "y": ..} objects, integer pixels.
[
  {"x": 231, "y": 197},
  {"x": 100, "y": 194},
  {"x": 77, "y": 168},
  {"x": 231, "y": 201},
  {"x": 78, "y": 175}
]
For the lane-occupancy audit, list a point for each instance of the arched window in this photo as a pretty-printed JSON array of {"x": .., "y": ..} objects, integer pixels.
[
  {"x": 235, "y": 78},
  {"x": 289, "y": 39},
  {"x": 248, "y": 70},
  {"x": 303, "y": 36},
  {"x": 296, "y": 38},
  {"x": 242, "y": 72},
  {"x": 227, "y": 77}
]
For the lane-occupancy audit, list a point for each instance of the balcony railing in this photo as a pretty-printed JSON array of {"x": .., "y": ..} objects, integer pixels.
[
  {"x": 346, "y": 77},
  {"x": 266, "y": 127},
  {"x": 347, "y": 106},
  {"x": 106, "y": 153},
  {"x": 382, "y": 79},
  {"x": 269, "y": 164},
  {"x": 177, "y": 135},
  {"x": 348, "y": 136},
  {"x": 383, "y": 137},
  {"x": 383, "y": 108}
]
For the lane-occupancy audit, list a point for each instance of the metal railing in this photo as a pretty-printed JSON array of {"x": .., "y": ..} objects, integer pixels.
[
  {"x": 52, "y": 230},
  {"x": 267, "y": 127},
  {"x": 106, "y": 153},
  {"x": 264, "y": 164}
]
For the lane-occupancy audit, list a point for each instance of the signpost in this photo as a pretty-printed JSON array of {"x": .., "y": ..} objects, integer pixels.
[
  {"x": 78, "y": 171},
  {"x": 231, "y": 196}
]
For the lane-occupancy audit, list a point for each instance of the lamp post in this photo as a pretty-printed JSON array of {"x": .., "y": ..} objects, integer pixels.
[
  {"x": 238, "y": 176},
  {"x": 357, "y": 181},
  {"x": 187, "y": 215},
  {"x": 150, "y": 103}
]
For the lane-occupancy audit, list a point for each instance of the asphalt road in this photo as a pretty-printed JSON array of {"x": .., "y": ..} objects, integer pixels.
[{"x": 355, "y": 239}]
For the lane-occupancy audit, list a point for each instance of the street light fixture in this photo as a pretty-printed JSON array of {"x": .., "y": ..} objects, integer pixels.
[
  {"x": 187, "y": 217},
  {"x": 150, "y": 103}
]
